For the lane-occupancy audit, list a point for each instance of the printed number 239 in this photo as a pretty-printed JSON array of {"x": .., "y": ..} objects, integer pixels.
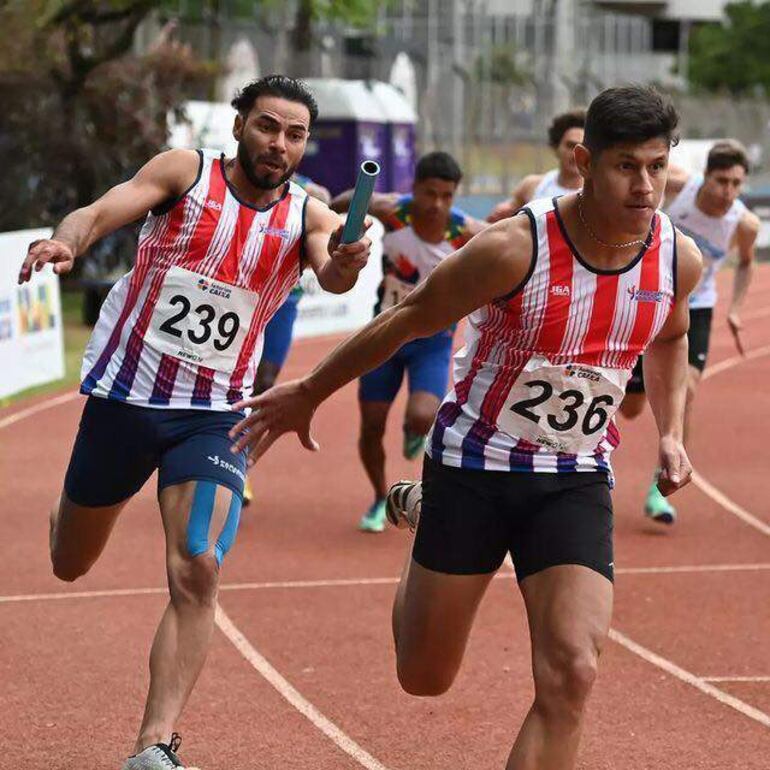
[{"x": 227, "y": 324}]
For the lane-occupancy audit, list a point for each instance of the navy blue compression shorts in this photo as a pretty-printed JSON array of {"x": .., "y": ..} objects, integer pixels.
[{"x": 119, "y": 446}]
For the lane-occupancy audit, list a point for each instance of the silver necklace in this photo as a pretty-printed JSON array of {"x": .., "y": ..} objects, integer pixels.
[{"x": 598, "y": 239}]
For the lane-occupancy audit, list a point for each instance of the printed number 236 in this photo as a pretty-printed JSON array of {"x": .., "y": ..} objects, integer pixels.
[{"x": 594, "y": 418}]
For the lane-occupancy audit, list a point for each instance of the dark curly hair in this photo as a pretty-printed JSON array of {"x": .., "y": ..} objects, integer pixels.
[
  {"x": 563, "y": 123},
  {"x": 275, "y": 85}
]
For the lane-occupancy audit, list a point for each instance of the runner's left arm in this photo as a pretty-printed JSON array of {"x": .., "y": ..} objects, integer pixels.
[
  {"x": 336, "y": 264},
  {"x": 491, "y": 263},
  {"x": 666, "y": 371},
  {"x": 745, "y": 241}
]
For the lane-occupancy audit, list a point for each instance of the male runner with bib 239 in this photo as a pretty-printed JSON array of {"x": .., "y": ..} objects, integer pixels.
[
  {"x": 707, "y": 208},
  {"x": 564, "y": 134},
  {"x": 177, "y": 343},
  {"x": 519, "y": 456},
  {"x": 421, "y": 229}
]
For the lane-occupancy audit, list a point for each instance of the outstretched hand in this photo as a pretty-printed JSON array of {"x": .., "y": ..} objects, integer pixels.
[
  {"x": 675, "y": 468},
  {"x": 283, "y": 409},
  {"x": 41, "y": 252},
  {"x": 350, "y": 256}
]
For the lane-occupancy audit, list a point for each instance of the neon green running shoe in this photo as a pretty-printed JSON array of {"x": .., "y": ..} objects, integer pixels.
[
  {"x": 413, "y": 445},
  {"x": 657, "y": 508},
  {"x": 374, "y": 519}
]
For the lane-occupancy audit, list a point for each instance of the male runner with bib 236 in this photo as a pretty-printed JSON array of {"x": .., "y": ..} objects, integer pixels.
[
  {"x": 519, "y": 456},
  {"x": 706, "y": 207},
  {"x": 564, "y": 134},
  {"x": 177, "y": 343},
  {"x": 421, "y": 229}
]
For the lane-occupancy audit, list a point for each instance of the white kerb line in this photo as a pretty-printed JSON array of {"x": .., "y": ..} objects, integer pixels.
[
  {"x": 685, "y": 676},
  {"x": 40, "y": 407},
  {"x": 293, "y": 696}
]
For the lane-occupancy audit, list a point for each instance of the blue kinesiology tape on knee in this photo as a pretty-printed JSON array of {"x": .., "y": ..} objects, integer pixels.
[
  {"x": 227, "y": 535},
  {"x": 200, "y": 517}
]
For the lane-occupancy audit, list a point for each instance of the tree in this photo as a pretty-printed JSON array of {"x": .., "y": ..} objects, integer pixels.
[
  {"x": 81, "y": 111},
  {"x": 733, "y": 56}
]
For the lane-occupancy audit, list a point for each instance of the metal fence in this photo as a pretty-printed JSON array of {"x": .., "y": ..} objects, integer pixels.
[{"x": 485, "y": 84}]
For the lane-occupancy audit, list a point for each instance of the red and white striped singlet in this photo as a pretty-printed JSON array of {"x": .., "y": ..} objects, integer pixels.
[
  {"x": 184, "y": 328},
  {"x": 544, "y": 368}
]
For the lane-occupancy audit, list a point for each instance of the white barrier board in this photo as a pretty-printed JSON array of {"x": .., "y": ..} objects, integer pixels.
[
  {"x": 31, "y": 339},
  {"x": 322, "y": 313}
]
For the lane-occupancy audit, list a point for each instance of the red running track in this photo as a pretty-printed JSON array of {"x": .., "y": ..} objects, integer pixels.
[{"x": 301, "y": 673}]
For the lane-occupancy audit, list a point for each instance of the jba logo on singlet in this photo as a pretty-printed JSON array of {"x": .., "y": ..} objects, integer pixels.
[
  {"x": 215, "y": 289},
  {"x": 645, "y": 295},
  {"x": 220, "y": 463},
  {"x": 560, "y": 290},
  {"x": 582, "y": 373}
]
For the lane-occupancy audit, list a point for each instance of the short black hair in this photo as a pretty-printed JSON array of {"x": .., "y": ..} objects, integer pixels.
[
  {"x": 629, "y": 114},
  {"x": 438, "y": 165},
  {"x": 275, "y": 85},
  {"x": 563, "y": 123},
  {"x": 726, "y": 154}
]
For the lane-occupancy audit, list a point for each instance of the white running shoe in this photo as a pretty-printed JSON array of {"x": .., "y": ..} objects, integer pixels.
[
  {"x": 404, "y": 503},
  {"x": 161, "y": 756}
]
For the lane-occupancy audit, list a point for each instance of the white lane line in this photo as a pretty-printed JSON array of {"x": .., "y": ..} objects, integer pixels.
[
  {"x": 40, "y": 407},
  {"x": 693, "y": 568},
  {"x": 735, "y": 678},
  {"x": 350, "y": 582},
  {"x": 685, "y": 676},
  {"x": 729, "y": 363},
  {"x": 707, "y": 487},
  {"x": 293, "y": 696},
  {"x": 731, "y": 507}
]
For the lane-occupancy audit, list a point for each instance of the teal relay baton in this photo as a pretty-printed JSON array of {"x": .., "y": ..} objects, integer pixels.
[{"x": 359, "y": 204}]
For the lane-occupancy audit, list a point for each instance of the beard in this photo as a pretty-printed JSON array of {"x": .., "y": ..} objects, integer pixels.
[{"x": 265, "y": 182}]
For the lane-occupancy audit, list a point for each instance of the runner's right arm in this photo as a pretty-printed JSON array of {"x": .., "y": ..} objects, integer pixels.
[
  {"x": 521, "y": 196},
  {"x": 164, "y": 177},
  {"x": 490, "y": 265},
  {"x": 380, "y": 204}
]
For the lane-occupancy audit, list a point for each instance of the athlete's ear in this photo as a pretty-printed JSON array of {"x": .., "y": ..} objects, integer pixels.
[
  {"x": 238, "y": 127},
  {"x": 583, "y": 160}
]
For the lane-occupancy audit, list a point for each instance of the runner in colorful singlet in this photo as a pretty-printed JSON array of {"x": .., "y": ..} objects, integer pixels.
[
  {"x": 421, "y": 229},
  {"x": 175, "y": 349}
]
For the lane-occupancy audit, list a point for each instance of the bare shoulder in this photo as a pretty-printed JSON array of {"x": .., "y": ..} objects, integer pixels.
[
  {"x": 527, "y": 187},
  {"x": 319, "y": 216},
  {"x": 749, "y": 225},
  {"x": 677, "y": 178},
  {"x": 689, "y": 263},
  {"x": 177, "y": 169},
  {"x": 506, "y": 247}
]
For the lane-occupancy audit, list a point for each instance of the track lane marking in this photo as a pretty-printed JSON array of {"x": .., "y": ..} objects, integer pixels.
[
  {"x": 352, "y": 582},
  {"x": 295, "y": 698},
  {"x": 694, "y": 681}
]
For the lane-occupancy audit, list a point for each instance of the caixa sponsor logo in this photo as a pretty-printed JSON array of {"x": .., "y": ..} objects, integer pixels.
[
  {"x": 645, "y": 295},
  {"x": 572, "y": 370},
  {"x": 215, "y": 289},
  {"x": 220, "y": 463}
]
